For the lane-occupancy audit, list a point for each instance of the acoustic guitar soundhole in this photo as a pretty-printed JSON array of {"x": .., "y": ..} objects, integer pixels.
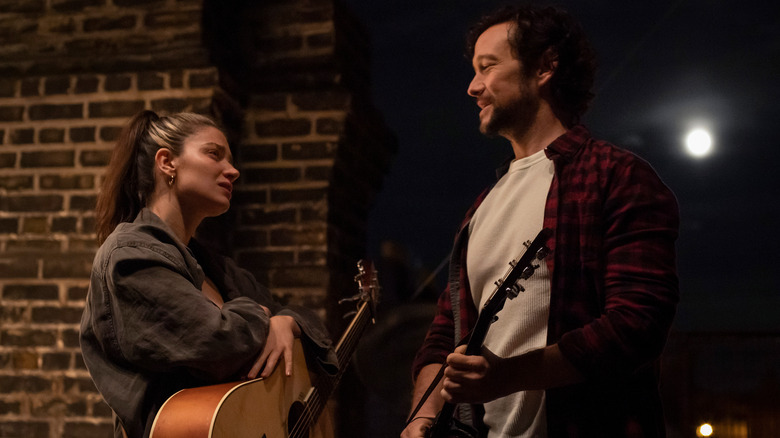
[{"x": 296, "y": 410}]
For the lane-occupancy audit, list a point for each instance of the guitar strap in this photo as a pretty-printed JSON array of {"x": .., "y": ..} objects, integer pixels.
[
  {"x": 435, "y": 382},
  {"x": 427, "y": 394}
]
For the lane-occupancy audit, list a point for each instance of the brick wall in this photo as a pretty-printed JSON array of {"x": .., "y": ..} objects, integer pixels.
[{"x": 286, "y": 78}]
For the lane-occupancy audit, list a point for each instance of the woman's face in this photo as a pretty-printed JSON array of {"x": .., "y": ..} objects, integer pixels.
[{"x": 205, "y": 173}]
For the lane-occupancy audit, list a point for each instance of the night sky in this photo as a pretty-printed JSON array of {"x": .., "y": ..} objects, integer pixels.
[{"x": 664, "y": 68}]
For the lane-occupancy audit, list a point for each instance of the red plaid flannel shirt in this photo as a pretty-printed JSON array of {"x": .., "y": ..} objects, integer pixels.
[{"x": 614, "y": 281}]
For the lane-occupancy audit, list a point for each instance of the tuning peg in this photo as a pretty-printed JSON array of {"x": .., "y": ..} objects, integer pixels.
[
  {"x": 352, "y": 299},
  {"x": 543, "y": 252},
  {"x": 514, "y": 291}
]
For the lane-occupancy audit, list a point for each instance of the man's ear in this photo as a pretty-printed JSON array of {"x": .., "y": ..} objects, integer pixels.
[
  {"x": 164, "y": 161},
  {"x": 548, "y": 64}
]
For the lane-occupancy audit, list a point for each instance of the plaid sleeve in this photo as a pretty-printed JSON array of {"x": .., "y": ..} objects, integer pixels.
[{"x": 633, "y": 269}]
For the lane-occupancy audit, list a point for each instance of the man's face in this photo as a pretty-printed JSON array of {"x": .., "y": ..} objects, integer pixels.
[{"x": 506, "y": 96}]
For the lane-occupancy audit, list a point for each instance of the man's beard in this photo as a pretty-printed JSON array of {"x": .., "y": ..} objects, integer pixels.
[{"x": 516, "y": 117}]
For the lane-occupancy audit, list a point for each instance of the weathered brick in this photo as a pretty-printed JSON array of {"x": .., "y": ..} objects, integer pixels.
[
  {"x": 283, "y": 127},
  {"x": 266, "y": 259},
  {"x": 69, "y": 315},
  {"x": 88, "y": 224},
  {"x": 175, "y": 105},
  {"x": 109, "y": 23},
  {"x": 248, "y": 197},
  {"x": 66, "y": 182},
  {"x": 271, "y": 175},
  {"x": 9, "y": 407},
  {"x": 151, "y": 81},
  {"x": 79, "y": 384},
  {"x": 7, "y": 87},
  {"x": 30, "y": 203},
  {"x": 254, "y": 216},
  {"x": 87, "y": 84},
  {"x": 257, "y": 153},
  {"x": 48, "y": 159},
  {"x": 78, "y": 429},
  {"x": 329, "y": 126},
  {"x": 51, "y": 135},
  {"x": 318, "y": 173},
  {"x": 318, "y": 258},
  {"x": 19, "y": 182},
  {"x": 13, "y": 113},
  {"x": 269, "y": 102},
  {"x": 77, "y": 293},
  {"x": 308, "y": 151},
  {"x": 320, "y": 40},
  {"x": 321, "y": 101},
  {"x": 9, "y": 225},
  {"x": 74, "y": 5},
  {"x": 52, "y": 111},
  {"x": 30, "y": 87},
  {"x": 14, "y": 314},
  {"x": 203, "y": 80},
  {"x": 56, "y": 85},
  {"x": 176, "y": 79},
  {"x": 25, "y": 360},
  {"x": 33, "y": 246},
  {"x": 166, "y": 19},
  {"x": 76, "y": 409},
  {"x": 304, "y": 276},
  {"x": 35, "y": 224},
  {"x": 98, "y": 158},
  {"x": 110, "y": 133},
  {"x": 117, "y": 82},
  {"x": 83, "y": 203},
  {"x": 56, "y": 361},
  {"x": 250, "y": 239},
  {"x": 60, "y": 25},
  {"x": 298, "y": 195},
  {"x": 67, "y": 266},
  {"x": 119, "y": 108},
  {"x": 31, "y": 292},
  {"x": 18, "y": 267},
  {"x": 293, "y": 237},
  {"x": 22, "y": 136},
  {"x": 64, "y": 225},
  {"x": 70, "y": 338},
  {"x": 25, "y": 7},
  {"x": 7, "y": 160},
  {"x": 81, "y": 135},
  {"x": 26, "y": 428},
  {"x": 27, "y": 338},
  {"x": 82, "y": 245},
  {"x": 125, "y": 3}
]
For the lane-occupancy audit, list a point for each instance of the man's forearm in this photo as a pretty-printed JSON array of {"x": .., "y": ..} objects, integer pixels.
[{"x": 434, "y": 402}]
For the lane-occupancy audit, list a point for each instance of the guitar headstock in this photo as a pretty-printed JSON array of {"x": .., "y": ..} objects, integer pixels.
[{"x": 368, "y": 287}]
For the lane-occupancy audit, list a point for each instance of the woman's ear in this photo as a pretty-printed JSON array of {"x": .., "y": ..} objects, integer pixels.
[{"x": 164, "y": 161}]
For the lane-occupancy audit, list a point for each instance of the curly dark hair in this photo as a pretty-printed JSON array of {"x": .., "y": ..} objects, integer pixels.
[{"x": 536, "y": 29}]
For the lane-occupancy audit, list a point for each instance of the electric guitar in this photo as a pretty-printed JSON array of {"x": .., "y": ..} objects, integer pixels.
[
  {"x": 444, "y": 425},
  {"x": 277, "y": 406}
]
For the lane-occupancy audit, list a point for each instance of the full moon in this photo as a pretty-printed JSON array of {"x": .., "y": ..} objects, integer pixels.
[{"x": 698, "y": 143}]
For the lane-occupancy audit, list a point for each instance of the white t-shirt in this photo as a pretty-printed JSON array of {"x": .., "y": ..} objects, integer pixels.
[{"x": 511, "y": 214}]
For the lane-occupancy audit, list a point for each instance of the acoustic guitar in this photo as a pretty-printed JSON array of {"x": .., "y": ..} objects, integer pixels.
[{"x": 277, "y": 406}]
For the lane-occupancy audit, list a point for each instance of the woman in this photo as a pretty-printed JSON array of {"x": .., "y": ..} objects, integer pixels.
[{"x": 164, "y": 313}]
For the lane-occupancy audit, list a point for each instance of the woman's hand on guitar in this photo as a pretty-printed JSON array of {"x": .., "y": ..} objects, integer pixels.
[
  {"x": 282, "y": 331},
  {"x": 417, "y": 427},
  {"x": 474, "y": 379}
]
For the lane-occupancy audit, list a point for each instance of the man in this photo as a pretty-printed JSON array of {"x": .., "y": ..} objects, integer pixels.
[{"x": 574, "y": 355}]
